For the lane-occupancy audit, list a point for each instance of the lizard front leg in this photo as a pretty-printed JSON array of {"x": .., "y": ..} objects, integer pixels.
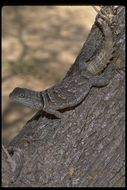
[{"x": 49, "y": 109}]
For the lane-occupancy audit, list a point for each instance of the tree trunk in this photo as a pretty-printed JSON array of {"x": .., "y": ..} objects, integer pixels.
[{"x": 87, "y": 147}]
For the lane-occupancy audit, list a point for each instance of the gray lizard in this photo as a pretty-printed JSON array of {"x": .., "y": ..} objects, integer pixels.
[
  {"x": 65, "y": 94},
  {"x": 73, "y": 89}
]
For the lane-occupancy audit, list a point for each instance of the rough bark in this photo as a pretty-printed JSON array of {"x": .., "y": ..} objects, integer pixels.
[{"x": 87, "y": 147}]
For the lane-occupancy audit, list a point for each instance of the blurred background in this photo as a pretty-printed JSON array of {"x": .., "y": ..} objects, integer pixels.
[{"x": 39, "y": 44}]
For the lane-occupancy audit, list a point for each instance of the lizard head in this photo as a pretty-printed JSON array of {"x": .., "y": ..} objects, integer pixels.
[{"x": 27, "y": 97}]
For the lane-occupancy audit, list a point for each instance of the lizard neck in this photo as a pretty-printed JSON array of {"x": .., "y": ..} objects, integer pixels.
[{"x": 27, "y": 97}]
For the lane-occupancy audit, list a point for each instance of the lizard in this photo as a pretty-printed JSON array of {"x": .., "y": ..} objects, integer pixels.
[
  {"x": 100, "y": 59},
  {"x": 72, "y": 90}
]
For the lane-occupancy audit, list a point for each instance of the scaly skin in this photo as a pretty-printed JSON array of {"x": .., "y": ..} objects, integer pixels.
[
  {"x": 98, "y": 62},
  {"x": 73, "y": 89},
  {"x": 67, "y": 93}
]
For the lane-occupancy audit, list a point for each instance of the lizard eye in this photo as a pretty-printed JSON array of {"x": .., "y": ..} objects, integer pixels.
[{"x": 21, "y": 95}]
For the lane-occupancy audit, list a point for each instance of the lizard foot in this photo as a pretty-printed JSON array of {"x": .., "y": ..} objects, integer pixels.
[
  {"x": 53, "y": 112},
  {"x": 103, "y": 14}
]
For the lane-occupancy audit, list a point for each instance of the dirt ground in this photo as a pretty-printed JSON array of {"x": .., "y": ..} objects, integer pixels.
[{"x": 39, "y": 44}]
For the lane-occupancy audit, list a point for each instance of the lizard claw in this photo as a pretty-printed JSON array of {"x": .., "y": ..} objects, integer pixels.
[{"x": 103, "y": 14}]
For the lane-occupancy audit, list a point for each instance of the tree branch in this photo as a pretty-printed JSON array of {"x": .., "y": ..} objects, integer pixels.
[{"x": 86, "y": 147}]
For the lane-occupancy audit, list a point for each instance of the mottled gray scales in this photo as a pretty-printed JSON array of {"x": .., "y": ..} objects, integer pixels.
[
  {"x": 73, "y": 89},
  {"x": 100, "y": 61}
]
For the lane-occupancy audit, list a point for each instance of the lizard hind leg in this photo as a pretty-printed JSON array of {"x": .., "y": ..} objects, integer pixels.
[
  {"x": 104, "y": 78},
  {"x": 99, "y": 81}
]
